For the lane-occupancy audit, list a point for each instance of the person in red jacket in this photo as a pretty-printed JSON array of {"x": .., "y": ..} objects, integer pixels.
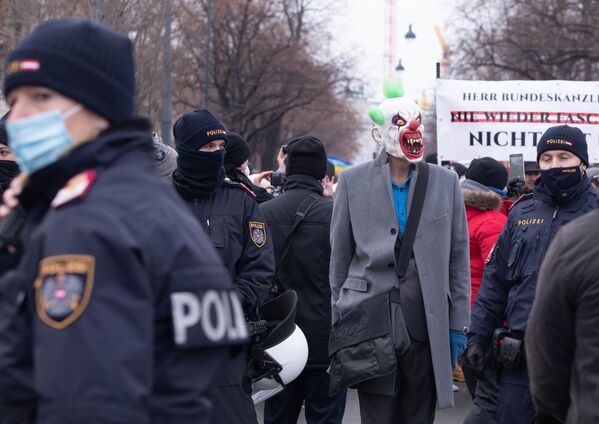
[{"x": 483, "y": 191}]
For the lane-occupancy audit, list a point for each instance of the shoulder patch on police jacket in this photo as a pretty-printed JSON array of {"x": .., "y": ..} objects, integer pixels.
[
  {"x": 258, "y": 233},
  {"x": 207, "y": 318},
  {"x": 63, "y": 288},
  {"x": 76, "y": 187}
]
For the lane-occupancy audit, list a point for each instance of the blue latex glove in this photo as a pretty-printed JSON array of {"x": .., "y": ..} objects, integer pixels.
[{"x": 458, "y": 342}]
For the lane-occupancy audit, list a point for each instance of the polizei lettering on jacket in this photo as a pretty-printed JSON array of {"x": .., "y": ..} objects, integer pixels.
[
  {"x": 213, "y": 317},
  {"x": 533, "y": 221}
]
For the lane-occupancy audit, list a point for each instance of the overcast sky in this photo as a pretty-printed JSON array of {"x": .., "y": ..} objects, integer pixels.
[{"x": 359, "y": 28}]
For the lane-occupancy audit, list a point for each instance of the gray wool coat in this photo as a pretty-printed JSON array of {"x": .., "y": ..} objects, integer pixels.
[{"x": 363, "y": 232}]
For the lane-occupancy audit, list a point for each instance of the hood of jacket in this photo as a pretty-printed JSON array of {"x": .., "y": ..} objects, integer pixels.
[{"x": 480, "y": 197}]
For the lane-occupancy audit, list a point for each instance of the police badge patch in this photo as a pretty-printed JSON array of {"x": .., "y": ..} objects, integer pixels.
[
  {"x": 63, "y": 288},
  {"x": 258, "y": 233}
]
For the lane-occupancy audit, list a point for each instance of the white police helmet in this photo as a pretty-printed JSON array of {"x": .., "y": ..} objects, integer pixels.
[{"x": 284, "y": 349}]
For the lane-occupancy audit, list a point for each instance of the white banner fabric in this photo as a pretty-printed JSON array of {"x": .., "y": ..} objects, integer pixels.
[{"x": 499, "y": 118}]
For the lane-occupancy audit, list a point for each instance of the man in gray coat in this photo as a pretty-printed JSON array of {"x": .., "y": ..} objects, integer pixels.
[{"x": 371, "y": 207}]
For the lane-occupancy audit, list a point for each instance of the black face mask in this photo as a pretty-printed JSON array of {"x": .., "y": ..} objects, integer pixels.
[
  {"x": 8, "y": 171},
  {"x": 561, "y": 183},
  {"x": 199, "y": 173}
]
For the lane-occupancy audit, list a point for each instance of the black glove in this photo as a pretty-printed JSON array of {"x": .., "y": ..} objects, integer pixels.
[
  {"x": 474, "y": 359},
  {"x": 516, "y": 187}
]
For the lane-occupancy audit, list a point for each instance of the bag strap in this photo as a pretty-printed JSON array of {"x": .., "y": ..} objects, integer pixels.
[
  {"x": 407, "y": 242},
  {"x": 300, "y": 213}
]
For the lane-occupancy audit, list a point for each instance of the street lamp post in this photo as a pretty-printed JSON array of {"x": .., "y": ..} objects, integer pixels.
[
  {"x": 167, "y": 67},
  {"x": 208, "y": 56},
  {"x": 100, "y": 11},
  {"x": 410, "y": 36},
  {"x": 399, "y": 67}
]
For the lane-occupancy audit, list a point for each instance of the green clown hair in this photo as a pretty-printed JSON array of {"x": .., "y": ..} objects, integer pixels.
[
  {"x": 393, "y": 88},
  {"x": 376, "y": 114}
]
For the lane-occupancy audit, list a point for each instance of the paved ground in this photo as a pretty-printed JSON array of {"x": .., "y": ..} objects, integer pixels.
[{"x": 455, "y": 415}]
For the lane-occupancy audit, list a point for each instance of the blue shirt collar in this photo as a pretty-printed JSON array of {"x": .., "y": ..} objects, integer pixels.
[{"x": 404, "y": 185}]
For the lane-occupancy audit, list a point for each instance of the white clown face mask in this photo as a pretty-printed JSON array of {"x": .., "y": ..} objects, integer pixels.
[{"x": 398, "y": 124}]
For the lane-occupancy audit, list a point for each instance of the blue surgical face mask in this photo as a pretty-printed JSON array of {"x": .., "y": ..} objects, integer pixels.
[{"x": 39, "y": 140}]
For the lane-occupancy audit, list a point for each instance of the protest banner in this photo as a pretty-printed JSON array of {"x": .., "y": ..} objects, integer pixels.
[{"x": 498, "y": 118}]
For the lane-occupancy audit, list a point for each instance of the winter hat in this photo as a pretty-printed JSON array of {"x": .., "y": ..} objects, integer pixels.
[
  {"x": 306, "y": 156},
  {"x": 195, "y": 129},
  {"x": 237, "y": 151},
  {"x": 564, "y": 137},
  {"x": 80, "y": 59},
  {"x": 531, "y": 166},
  {"x": 488, "y": 172}
]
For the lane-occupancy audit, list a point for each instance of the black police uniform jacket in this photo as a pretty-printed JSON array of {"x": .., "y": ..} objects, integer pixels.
[
  {"x": 87, "y": 327},
  {"x": 509, "y": 280},
  {"x": 239, "y": 177},
  {"x": 231, "y": 217},
  {"x": 562, "y": 342},
  {"x": 305, "y": 269}
]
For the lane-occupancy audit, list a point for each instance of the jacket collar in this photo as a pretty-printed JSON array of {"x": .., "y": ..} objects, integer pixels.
[
  {"x": 381, "y": 159},
  {"x": 111, "y": 145},
  {"x": 540, "y": 193},
  {"x": 303, "y": 182}
]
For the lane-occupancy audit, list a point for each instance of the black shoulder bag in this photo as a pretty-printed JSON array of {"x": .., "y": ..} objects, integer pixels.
[
  {"x": 364, "y": 342},
  {"x": 302, "y": 210}
]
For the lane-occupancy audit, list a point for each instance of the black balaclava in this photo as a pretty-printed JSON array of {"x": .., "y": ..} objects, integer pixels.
[
  {"x": 198, "y": 173},
  {"x": 8, "y": 168},
  {"x": 8, "y": 171},
  {"x": 562, "y": 184}
]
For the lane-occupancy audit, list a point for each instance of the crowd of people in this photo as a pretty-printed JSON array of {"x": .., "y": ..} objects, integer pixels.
[{"x": 143, "y": 283}]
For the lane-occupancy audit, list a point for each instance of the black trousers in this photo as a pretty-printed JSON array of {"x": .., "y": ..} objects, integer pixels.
[
  {"x": 232, "y": 395},
  {"x": 484, "y": 403},
  {"x": 514, "y": 401},
  {"x": 416, "y": 399},
  {"x": 312, "y": 389},
  {"x": 484, "y": 392}
]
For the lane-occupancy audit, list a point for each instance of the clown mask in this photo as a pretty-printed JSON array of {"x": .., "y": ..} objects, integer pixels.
[{"x": 398, "y": 124}]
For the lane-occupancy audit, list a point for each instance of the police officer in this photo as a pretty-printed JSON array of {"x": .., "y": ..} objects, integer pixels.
[
  {"x": 9, "y": 169},
  {"x": 237, "y": 167},
  {"x": 230, "y": 216},
  {"x": 562, "y": 193},
  {"x": 120, "y": 310},
  {"x": 10, "y": 248}
]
